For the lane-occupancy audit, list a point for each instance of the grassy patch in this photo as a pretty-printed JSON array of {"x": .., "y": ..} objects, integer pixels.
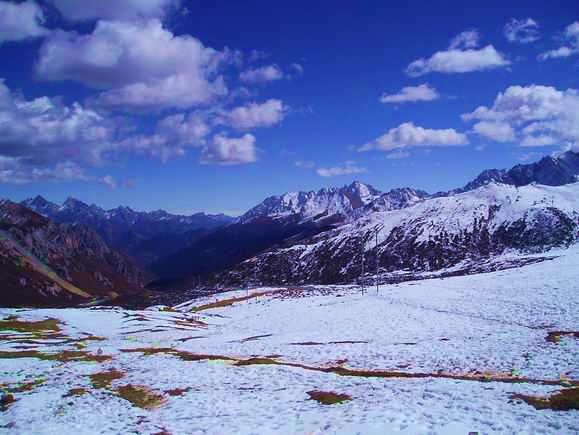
[
  {"x": 14, "y": 324},
  {"x": 64, "y": 356},
  {"x": 328, "y": 397},
  {"x": 256, "y": 361},
  {"x": 228, "y": 302},
  {"x": 555, "y": 336},
  {"x": 185, "y": 356},
  {"x": 105, "y": 379},
  {"x": 8, "y": 400},
  {"x": 140, "y": 396},
  {"x": 177, "y": 391},
  {"x": 75, "y": 392},
  {"x": 565, "y": 400}
]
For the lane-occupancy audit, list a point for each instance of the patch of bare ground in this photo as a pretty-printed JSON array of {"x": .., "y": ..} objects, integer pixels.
[
  {"x": 140, "y": 396},
  {"x": 75, "y": 392},
  {"x": 328, "y": 397},
  {"x": 177, "y": 391},
  {"x": 555, "y": 336},
  {"x": 254, "y": 338},
  {"x": 283, "y": 293},
  {"x": 13, "y": 323},
  {"x": 64, "y": 356},
  {"x": 344, "y": 371},
  {"x": 315, "y": 343},
  {"x": 104, "y": 380},
  {"x": 564, "y": 400}
]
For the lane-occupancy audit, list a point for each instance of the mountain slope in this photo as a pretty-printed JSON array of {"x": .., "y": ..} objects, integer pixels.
[
  {"x": 279, "y": 221},
  {"x": 43, "y": 263},
  {"x": 431, "y": 235},
  {"x": 134, "y": 233}
]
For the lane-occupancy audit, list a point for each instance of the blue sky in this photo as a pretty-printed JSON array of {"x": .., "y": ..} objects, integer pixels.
[{"x": 214, "y": 105}]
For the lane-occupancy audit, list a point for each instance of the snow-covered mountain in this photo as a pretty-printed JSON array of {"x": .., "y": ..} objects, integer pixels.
[
  {"x": 342, "y": 203},
  {"x": 431, "y": 235},
  {"x": 550, "y": 170},
  {"x": 146, "y": 236}
]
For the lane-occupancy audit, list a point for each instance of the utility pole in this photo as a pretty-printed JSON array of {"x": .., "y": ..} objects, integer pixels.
[
  {"x": 377, "y": 258},
  {"x": 362, "y": 254}
]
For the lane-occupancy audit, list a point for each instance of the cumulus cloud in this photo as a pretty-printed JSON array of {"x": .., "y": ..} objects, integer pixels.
[
  {"x": 570, "y": 46},
  {"x": 408, "y": 135},
  {"x": 347, "y": 169},
  {"x": 139, "y": 65},
  {"x": 497, "y": 131},
  {"x": 223, "y": 150},
  {"x": 462, "y": 56},
  {"x": 172, "y": 136},
  {"x": 538, "y": 115},
  {"x": 522, "y": 31},
  {"x": 412, "y": 94},
  {"x": 85, "y": 10},
  {"x": 263, "y": 74},
  {"x": 21, "y": 21},
  {"x": 255, "y": 115},
  {"x": 44, "y": 131}
]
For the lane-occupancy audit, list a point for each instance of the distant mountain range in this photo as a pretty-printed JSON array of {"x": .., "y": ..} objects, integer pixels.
[
  {"x": 309, "y": 237},
  {"x": 145, "y": 236}
]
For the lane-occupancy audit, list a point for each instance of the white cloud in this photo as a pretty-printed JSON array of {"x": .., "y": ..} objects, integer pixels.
[
  {"x": 297, "y": 68},
  {"x": 396, "y": 155},
  {"x": 408, "y": 135},
  {"x": 461, "y": 57},
  {"x": 540, "y": 115},
  {"x": 347, "y": 169},
  {"x": 42, "y": 131},
  {"x": 264, "y": 74},
  {"x": 112, "y": 184},
  {"x": 83, "y": 10},
  {"x": 570, "y": 47},
  {"x": 13, "y": 171},
  {"x": 223, "y": 150},
  {"x": 140, "y": 65},
  {"x": 254, "y": 115},
  {"x": 459, "y": 61},
  {"x": 308, "y": 164},
  {"x": 21, "y": 21},
  {"x": 522, "y": 31},
  {"x": 172, "y": 136},
  {"x": 421, "y": 92},
  {"x": 466, "y": 39},
  {"x": 497, "y": 131}
]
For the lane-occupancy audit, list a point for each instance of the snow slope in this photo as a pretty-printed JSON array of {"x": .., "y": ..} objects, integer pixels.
[{"x": 450, "y": 354}]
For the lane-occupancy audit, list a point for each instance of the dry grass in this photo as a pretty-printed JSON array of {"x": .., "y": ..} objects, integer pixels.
[
  {"x": 227, "y": 302},
  {"x": 12, "y": 323},
  {"x": 565, "y": 400},
  {"x": 64, "y": 356},
  {"x": 140, "y": 396},
  {"x": 105, "y": 379},
  {"x": 328, "y": 397},
  {"x": 75, "y": 392},
  {"x": 555, "y": 336},
  {"x": 177, "y": 391}
]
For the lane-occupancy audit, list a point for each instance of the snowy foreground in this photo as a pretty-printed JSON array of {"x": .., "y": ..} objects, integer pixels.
[{"x": 435, "y": 356}]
